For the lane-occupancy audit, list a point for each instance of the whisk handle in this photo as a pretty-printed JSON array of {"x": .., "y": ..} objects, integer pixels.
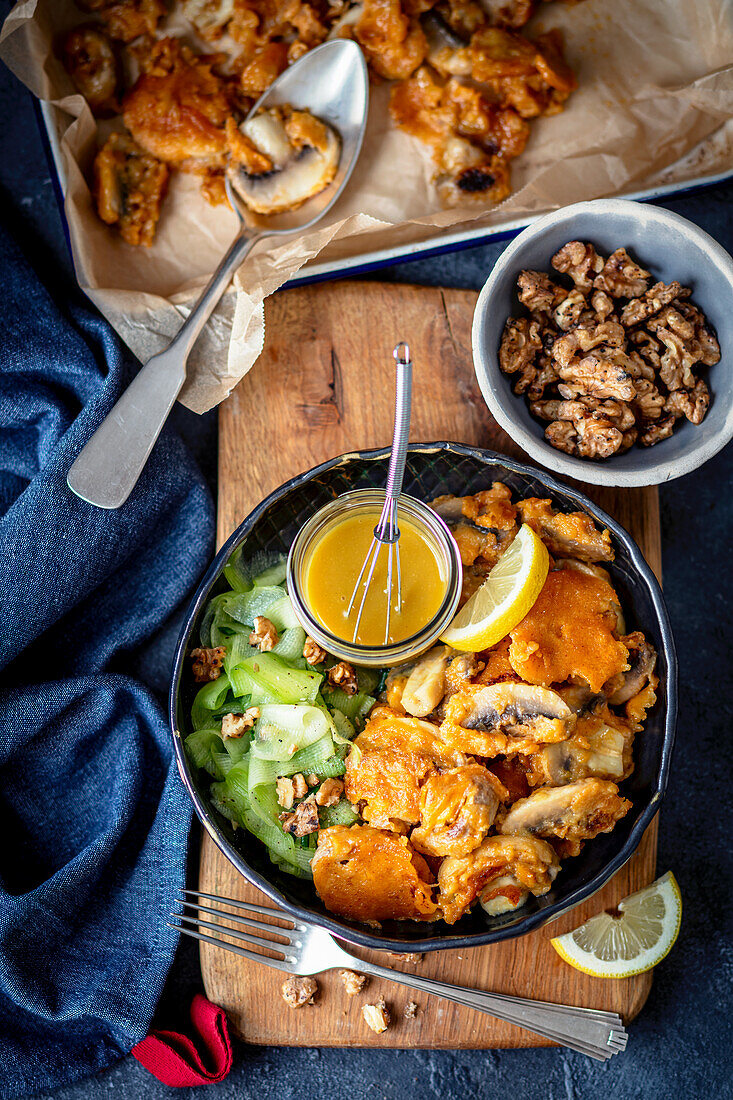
[{"x": 403, "y": 403}]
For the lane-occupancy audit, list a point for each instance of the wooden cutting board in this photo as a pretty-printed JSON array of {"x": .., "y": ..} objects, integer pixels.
[{"x": 324, "y": 385}]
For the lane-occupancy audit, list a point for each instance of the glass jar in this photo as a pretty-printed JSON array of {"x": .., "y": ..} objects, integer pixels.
[{"x": 427, "y": 524}]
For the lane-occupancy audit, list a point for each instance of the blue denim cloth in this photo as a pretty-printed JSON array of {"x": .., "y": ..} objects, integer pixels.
[{"x": 93, "y": 817}]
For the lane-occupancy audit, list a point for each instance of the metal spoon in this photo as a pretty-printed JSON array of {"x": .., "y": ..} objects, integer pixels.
[{"x": 331, "y": 82}]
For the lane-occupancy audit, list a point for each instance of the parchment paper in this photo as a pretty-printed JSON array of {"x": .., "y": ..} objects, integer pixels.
[{"x": 655, "y": 81}]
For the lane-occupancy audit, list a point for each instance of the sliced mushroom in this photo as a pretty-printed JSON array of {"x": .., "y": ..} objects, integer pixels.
[
  {"x": 425, "y": 685},
  {"x": 642, "y": 660},
  {"x": 299, "y": 157},
  {"x": 595, "y": 750},
  {"x": 577, "y": 811},
  {"x": 508, "y": 867},
  {"x": 504, "y": 895},
  {"x": 519, "y": 710}
]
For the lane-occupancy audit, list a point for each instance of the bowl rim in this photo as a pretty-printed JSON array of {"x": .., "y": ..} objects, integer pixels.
[
  {"x": 654, "y": 471},
  {"x": 533, "y": 921}
]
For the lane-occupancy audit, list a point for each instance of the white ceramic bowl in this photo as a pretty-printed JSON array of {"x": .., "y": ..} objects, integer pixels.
[{"x": 671, "y": 248}]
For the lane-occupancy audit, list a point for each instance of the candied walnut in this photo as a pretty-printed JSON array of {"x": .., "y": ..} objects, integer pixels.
[
  {"x": 580, "y": 261},
  {"x": 546, "y": 376},
  {"x": 621, "y": 277},
  {"x": 329, "y": 792},
  {"x": 657, "y": 431},
  {"x": 407, "y": 956},
  {"x": 236, "y": 725},
  {"x": 89, "y": 59},
  {"x": 264, "y": 635},
  {"x": 671, "y": 318},
  {"x": 300, "y": 785},
  {"x": 648, "y": 401},
  {"x": 313, "y": 653},
  {"x": 285, "y": 792},
  {"x": 342, "y": 676},
  {"x": 677, "y": 362},
  {"x": 207, "y": 663},
  {"x": 376, "y": 1016},
  {"x": 410, "y": 1010},
  {"x": 536, "y": 291},
  {"x": 656, "y": 298},
  {"x": 297, "y": 991},
  {"x": 353, "y": 982},
  {"x": 602, "y": 304},
  {"x": 597, "y": 438},
  {"x": 562, "y": 435},
  {"x": 303, "y": 820},
  {"x": 690, "y": 403},
  {"x": 520, "y": 343},
  {"x": 584, "y": 338},
  {"x": 647, "y": 347},
  {"x": 312, "y": 780},
  {"x": 596, "y": 375},
  {"x": 569, "y": 311},
  {"x": 708, "y": 346},
  {"x": 129, "y": 187}
]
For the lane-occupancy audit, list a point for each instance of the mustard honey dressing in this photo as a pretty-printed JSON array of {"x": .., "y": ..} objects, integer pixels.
[{"x": 332, "y": 568}]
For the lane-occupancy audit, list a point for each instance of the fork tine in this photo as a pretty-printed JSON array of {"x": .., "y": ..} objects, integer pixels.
[
  {"x": 236, "y": 933},
  {"x": 265, "y": 910},
  {"x": 250, "y": 922},
  {"x": 253, "y": 956}
]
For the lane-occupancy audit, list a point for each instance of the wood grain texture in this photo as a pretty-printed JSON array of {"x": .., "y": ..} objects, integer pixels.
[{"x": 323, "y": 385}]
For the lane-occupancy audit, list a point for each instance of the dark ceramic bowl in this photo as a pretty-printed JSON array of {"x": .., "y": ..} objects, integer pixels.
[{"x": 432, "y": 469}]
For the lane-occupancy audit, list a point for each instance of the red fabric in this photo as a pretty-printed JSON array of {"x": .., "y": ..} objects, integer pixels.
[{"x": 174, "y": 1059}]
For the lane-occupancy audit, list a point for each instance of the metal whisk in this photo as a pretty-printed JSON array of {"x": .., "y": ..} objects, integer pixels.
[{"x": 387, "y": 532}]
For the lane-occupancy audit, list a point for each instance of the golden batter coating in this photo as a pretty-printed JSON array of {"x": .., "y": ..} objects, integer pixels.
[
  {"x": 508, "y": 866},
  {"x": 129, "y": 186}
]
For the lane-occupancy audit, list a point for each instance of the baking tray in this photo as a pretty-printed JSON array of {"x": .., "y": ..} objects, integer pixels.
[{"x": 685, "y": 177}]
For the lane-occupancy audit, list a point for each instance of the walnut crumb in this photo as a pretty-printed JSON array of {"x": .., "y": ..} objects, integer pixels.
[
  {"x": 285, "y": 792},
  {"x": 300, "y": 787},
  {"x": 342, "y": 676},
  {"x": 312, "y": 780},
  {"x": 303, "y": 820},
  {"x": 207, "y": 663},
  {"x": 313, "y": 653},
  {"x": 329, "y": 792},
  {"x": 410, "y": 957},
  {"x": 264, "y": 635},
  {"x": 353, "y": 982},
  {"x": 236, "y": 725},
  {"x": 297, "y": 992},
  {"x": 377, "y": 1016},
  {"x": 410, "y": 1010}
]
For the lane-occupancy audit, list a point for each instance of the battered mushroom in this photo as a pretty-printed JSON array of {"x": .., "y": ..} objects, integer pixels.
[
  {"x": 129, "y": 186},
  {"x": 502, "y": 871},
  {"x": 289, "y": 157},
  {"x": 457, "y": 809},
  {"x": 576, "y": 811},
  {"x": 90, "y": 60}
]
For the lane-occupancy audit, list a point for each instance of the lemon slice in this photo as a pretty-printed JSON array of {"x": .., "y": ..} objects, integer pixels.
[
  {"x": 620, "y": 946},
  {"x": 504, "y": 598}
]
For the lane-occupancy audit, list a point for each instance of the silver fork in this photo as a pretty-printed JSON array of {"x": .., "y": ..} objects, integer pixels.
[{"x": 305, "y": 949}]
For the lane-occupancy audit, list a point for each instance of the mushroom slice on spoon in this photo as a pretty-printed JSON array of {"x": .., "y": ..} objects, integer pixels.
[{"x": 282, "y": 157}]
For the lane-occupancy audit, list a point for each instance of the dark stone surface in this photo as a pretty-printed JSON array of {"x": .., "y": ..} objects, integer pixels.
[{"x": 681, "y": 1043}]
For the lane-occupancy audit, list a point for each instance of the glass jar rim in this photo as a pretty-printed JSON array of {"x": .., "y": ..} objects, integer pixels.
[{"x": 395, "y": 653}]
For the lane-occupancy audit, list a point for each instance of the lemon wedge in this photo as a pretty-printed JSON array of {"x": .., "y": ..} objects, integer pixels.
[
  {"x": 620, "y": 946},
  {"x": 504, "y": 598}
]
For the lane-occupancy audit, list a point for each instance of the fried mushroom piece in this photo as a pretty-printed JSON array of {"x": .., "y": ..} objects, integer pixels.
[
  {"x": 505, "y": 718},
  {"x": 386, "y": 783},
  {"x": 394, "y": 44},
  {"x": 209, "y": 17},
  {"x": 581, "y": 262},
  {"x": 570, "y": 632},
  {"x": 502, "y": 872},
  {"x": 600, "y": 747},
  {"x": 368, "y": 874},
  {"x": 620, "y": 277},
  {"x": 566, "y": 534},
  {"x": 179, "y": 116},
  {"x": 129, "y": 187},
  {"x": 90, "y": 60},
  {"x": 575, "y": 811},
  {"x": 457, "y": 810},
  {"x": 126, "y": 20}
]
